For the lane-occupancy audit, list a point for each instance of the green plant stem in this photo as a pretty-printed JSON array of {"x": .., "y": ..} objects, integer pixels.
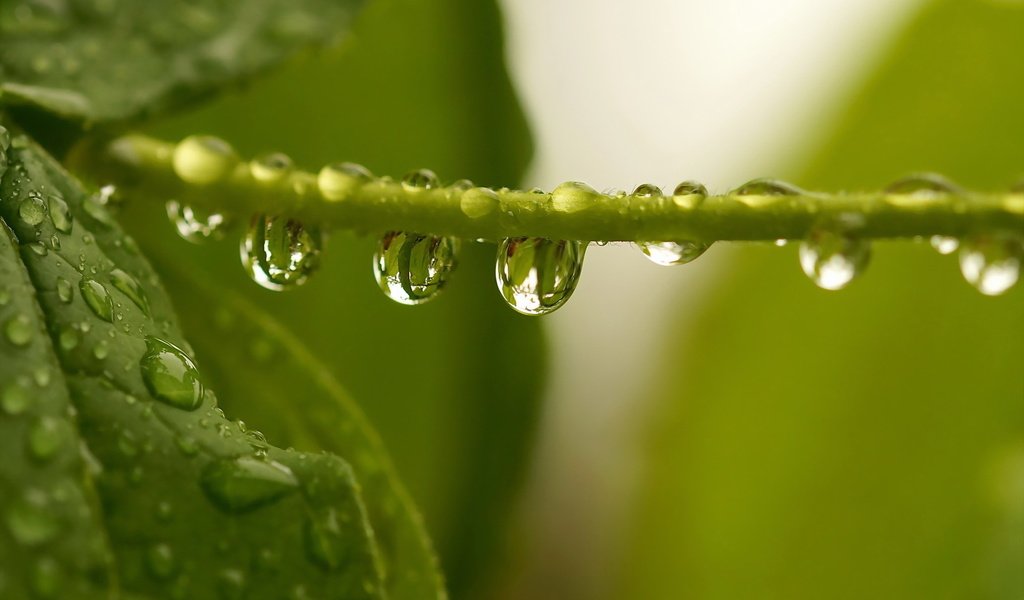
[{"x": 139, "y": 164}]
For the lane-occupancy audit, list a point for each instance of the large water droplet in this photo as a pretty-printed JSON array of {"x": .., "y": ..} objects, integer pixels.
[
  {"x": 18, "y": 330},
  {"x": 690, "y": 188},
  {"x": 280, "y": 253},
  {"x": 60, "y": 214},
  {"x": 419, "y": 180},
  {"x": 195, "y": 225},
  {"x": 32, "y": 210},
  {"x": 944, "y": 244},
  {"x": 97, "y": 298},
  {"x": 270, "y": 168},
  {"x": 242, "y": 484},
  {"x": 672, "y": 253},
  {"x": 573, "y": 196},
  {"x": 129, "y": 286},
  {"x": 991, "y": 263},
  {"x": 170, "y": 375},
  {"x": 537, "y": 275},
  {"x": 203, "y": 159},
  {"x": 412, "y": 268},
  {"x": 339, "y": 180},
  {"x": 833, "y": 260},
  {"x": 647, "y": 190}
]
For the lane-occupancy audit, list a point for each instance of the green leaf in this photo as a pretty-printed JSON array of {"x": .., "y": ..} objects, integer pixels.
[
  {"x": 109, "y": 60},
  {"x": 192, "y": 505},
  {"x": 452, "y": 386},
  {"x": 865, "y": 443}
]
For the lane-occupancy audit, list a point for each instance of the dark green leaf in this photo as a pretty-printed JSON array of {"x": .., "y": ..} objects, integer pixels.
[
  {"x": 193, "y": 505},
  {"x": 104, "y": 60}
]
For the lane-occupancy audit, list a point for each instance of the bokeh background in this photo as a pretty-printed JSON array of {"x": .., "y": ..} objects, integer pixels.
[{"x": 719, "y": 430}]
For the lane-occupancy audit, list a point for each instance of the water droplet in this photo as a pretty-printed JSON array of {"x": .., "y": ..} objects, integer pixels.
[
  {"x": 412, "y": 268},
  {"x": 991, "y": 263},
  {"x": 478, "y": 202},
  {"x": 922, "y": 184},
  {"x": 130, "y": 287},
  {"x": 95, "y": 205},
  {"x": 690, "y": 188},
  {"x": 160, "y": 561},
  {"x": 101, "y": 350},
  {"x": 203, "y": 159},
  {"x": 30, "y": 522},
  {"x": 170, "y": 375},
  {"x": 419, "y": 180},
  {"x": 280, "y": 253},
  {"x": 68, "y": 338},
  {"x": 462, "y": 185},
  {"x": 245, "y": 483},
  {"x": 16, "y": 398},
  {"x": 231, "y": 584},
  {"x": 339, "y": 180},
  {"x": 536, "y": 275},
  {"x": 672, "y": 253},
  {"x": 38, "y": 249},
  {"x": 573, "y": 196},
  {"x": 195, "y": 225},
  {"x": 767, "y": 187},
  {"x": 18, "y": 330},
  {"x": 270, "y": 168},
  {"x": 97, "y": 298},
  {"x": 45, "y": 437},
  {"x": 60, "y": 214},
  {"x": 647, "y": 190},
  {"x": 944, "y": 244},
  {"x": 833, "y": 260},
  {"x": 32, "y": 210},
  {"x": 781, "y": 242},
  {"x": 164, "y": 511}
]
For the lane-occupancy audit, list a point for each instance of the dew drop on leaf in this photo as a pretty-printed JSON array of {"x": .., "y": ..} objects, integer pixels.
[
  {"x": 944, "y": 244},
  {"x": 101, "y": 350},
  {"x": 420, "y": 180},
  {"x": 194, "y": 225},
  {"x": 991, "y": 262},
  {"x": 270, "y": 168},
  {"x": 245, "y": 483},
  {"x": 129, "y": 286},
  {"x": 18, "y": 330},
  {"x": 832, "y": 260},
  {"x": 32, "y": 210},
  {"x": 412, "y": 268},
  {"x": 203, "y": 159},
  {"x": 537, "y": 275},
  {"x": 67, "y": 339},
  {"x": 60, "y": 215},
  {"x": 338, "y": 181},
  {"x": 45, "y": 437},
  {"x": 97, "y": 298},
  {"x": 30, "y": 522},
  {"x": 280, "y": 253},
  {"x": 170, "y": 375},
  {"x": 15, "y": 398}
]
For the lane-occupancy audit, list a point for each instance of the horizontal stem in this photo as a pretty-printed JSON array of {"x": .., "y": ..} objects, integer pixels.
[{"x": 144, "y": 165}]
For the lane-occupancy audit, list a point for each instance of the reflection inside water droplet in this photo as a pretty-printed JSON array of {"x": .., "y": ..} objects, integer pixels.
[
  {"x": 832, "y": 260},
  {"x": 194, "y": 225},
  {"x": 170, "y": 375},
  {"x": 535, "y": 275},
  {"x": 280, "y": 253},
  {"x": 991, "y": 262},
  {"x": 412, "y": 268}
]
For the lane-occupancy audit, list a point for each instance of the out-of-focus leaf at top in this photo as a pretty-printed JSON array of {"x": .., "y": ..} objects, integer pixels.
[
  {"x": 104, "y": 60},
  {"x": 867, "y": 443}
]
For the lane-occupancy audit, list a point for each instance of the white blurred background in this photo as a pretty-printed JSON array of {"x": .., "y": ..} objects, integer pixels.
[{"x": 621, "y": 93}]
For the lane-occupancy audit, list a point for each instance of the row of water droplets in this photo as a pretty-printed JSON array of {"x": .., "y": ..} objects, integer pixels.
[{"x": 536, "y": 275}]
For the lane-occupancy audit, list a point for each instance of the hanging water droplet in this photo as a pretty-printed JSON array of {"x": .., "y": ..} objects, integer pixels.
[
  {"x": 203, "y": 159},
  {"x": 944, "y": 244},
  {"x": 32, "y": 210},
  {"x": 270, "y": 168},
  {"x": 419, "y": 180},
  {"x": 129, "y": 286},
  {"x": 280, "y": 253},
  {"x": 18, "y": 330},
  {"x": 833, "y": 260},
  {"x": 339, "y": 180},
  {"x": 991, "y": 263},
  {"x": 244, "y": 483},
  {"x": 537, "y": 275},
  {"x": 160, "y": 561},
  {"x": 170, "y": 375},
  {"x": 412, "y": 268},
  {"x": 767, "y": 187},
  {"x": 194, "y": 225},
  {"x": 672, "y": 253},
  {"x": 478, "y": 202},
  {"x": 573, "y": 196},
  {"x": 97, "y": 298}
]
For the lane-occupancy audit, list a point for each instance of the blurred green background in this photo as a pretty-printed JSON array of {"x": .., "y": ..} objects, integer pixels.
[{"x": 796, "y": 443}]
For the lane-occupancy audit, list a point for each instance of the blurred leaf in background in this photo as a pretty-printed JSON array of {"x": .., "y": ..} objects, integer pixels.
[
  {"x": 867, "y": 443},
  {"x": 451, "y": 386}
]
